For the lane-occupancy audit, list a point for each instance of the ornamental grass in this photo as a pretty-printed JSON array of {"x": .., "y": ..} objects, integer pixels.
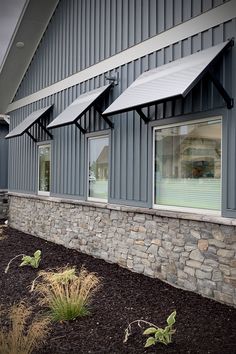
[
  {"x": 21, "y": 334},
  {"x": 66, "y": 293}
]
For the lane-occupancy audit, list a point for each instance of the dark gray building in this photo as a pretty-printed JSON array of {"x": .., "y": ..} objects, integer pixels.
[
  {"x": 4, "y": 129},
  {"x": 122, "y": 138}
]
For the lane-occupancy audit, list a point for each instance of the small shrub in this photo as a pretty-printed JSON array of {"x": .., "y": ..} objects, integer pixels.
[
  {"x": 2, "y": 236},
  {"x": 67, "y": 294},
  {"x": 156, "y": 334},
  {"x": 27, "y": 260},
  {"x": 32, "y": 261},
  {"x": 22, "y": 336}
]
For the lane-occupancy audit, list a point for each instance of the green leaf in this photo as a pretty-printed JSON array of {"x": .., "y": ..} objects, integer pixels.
[
  {"x": 37, "y": 254},
  {"x": 171, "y": 318},
  {"x": 150, "y": 330},
  {"x": 26, "y": 258},
  {"x": 150, "y": 341},
  {"x": 25, "y": 261}
]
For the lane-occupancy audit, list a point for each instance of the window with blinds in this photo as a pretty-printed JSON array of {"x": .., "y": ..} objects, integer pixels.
[{"x": 187, "y": 166}]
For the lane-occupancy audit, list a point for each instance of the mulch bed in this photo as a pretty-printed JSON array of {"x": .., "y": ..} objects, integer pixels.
[{"x": 202, "y": 325}]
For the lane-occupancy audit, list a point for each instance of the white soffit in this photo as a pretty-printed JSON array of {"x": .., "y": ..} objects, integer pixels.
[
  {"x": 167, "y": 81},
  {"x": 203, "y": 22},
  {"x": 27, "y": 123},
  {"x": 77, "y": 108},
  {"x": 30, "y": 30}
]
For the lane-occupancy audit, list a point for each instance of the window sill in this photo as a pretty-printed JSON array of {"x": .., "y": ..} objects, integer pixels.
[
  {"x": 187, "y": 210},
  {"x": 44, "y": 194},
  {"x": 97, "y": 200},
  {"x": 130, "y": 209}
]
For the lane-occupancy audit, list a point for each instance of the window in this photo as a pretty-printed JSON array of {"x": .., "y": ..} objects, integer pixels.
[
  {"x": 44, "y": 156},
  {"x": 98, "y": 169},
  {"x": 187, "y": 165}
]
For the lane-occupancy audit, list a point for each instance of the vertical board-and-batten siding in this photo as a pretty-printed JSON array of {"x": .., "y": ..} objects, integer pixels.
[
  {"x": 131, "y": 165},
  {"x": 4, "y": 128},
  {"x": 82, "y": 33}
]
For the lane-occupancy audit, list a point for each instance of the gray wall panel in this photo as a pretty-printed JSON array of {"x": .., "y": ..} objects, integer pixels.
[
  {"x": 131, "y": 138},
  {"x": 4, "y": 128},
  {"x": 84, "y": 32}
]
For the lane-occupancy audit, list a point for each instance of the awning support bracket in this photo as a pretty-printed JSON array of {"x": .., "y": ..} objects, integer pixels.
[
  {"x": 45, "y": 129},
  {"x": 84, "y": 131},
  {"x": 142, "y": 115},
  {"x": 107, "y": 120},
  {"x": 229, "y": 101},
  {"x": 31, "y": 136}
]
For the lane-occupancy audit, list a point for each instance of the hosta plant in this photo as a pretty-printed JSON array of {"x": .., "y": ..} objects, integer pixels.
[
  {"x": 19, "y": 333},
  {"x": 67, "y": 293},
  {"x": 33, "y": 261},
  {"x": 155, "y": 333}
]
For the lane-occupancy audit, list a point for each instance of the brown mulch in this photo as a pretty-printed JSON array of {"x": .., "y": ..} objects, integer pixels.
[{"x": 202, "y": 325}]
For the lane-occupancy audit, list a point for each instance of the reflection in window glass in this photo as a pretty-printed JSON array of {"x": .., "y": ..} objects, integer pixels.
[
  {"x": 98, "y": 168},
  {"x": 188, "y": 165},
  {"x": 44, "y": 168}
]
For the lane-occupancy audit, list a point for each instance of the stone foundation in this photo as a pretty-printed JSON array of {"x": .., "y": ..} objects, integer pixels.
[
  {"x": 3, "y": 205},
  {"x": 191, "y": 251}
]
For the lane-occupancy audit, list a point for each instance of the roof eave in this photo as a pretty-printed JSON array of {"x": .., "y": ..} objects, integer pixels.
[{"x": 37, "y": 16}]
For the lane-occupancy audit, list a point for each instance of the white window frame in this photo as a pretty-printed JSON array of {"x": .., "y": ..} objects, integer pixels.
[
  {"x": 99, "y": 200},
  {"x": 43, "y": 193},
  {"x": 178, "y": 208}
]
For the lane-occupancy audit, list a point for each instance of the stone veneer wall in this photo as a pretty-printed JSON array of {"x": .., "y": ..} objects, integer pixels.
[
  {"x": 3, "y": 205},
  {"x": 191, "y": 251}
]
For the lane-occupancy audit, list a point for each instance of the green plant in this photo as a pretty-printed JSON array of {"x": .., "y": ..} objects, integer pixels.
[
  {"x": 32, "y": 261},
  {"x": 161, "y": 335},
  {"x": 64, "y": 276},
  {"x": 155, "y": 333},
  {"x": 67, "y": 294},
  {"x": 27, "y": 260},
  {"x": 20, "y": 335}
]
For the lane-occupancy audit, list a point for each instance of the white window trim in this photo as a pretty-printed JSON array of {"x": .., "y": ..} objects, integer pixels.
[
  {"x": 43, "y": 193},
  {"x": 91, "y": 199},
  {"x": 98, "y": 200},
  {"x": 176, "y": 208}
]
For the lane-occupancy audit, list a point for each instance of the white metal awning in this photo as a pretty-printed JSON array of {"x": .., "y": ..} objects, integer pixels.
[
  {"x": 28, "y": 122},
  {"x": 78, "y": 108},
  {"x": 169, "y": 81}
]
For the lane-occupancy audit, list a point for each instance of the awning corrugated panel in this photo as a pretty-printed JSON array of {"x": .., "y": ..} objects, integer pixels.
[
  {"x": 168, "y": 81},
  {"x": 79, "y": 107},
  {"x": 27, "y": 123}
]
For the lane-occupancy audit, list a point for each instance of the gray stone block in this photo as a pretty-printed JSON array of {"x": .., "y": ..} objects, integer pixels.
[
  {"x": 163, "y": 246},
  {"x": 196, "y": 255},
  {"x": 202, "y": 275},
  {"x": 225, "y": 253}
]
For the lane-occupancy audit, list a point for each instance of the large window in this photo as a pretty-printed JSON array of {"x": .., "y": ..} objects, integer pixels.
[
  {"x": 44, "y": 156},
  {"x": 98, "y": 168},
  {"x": 187, "y": 165}
]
